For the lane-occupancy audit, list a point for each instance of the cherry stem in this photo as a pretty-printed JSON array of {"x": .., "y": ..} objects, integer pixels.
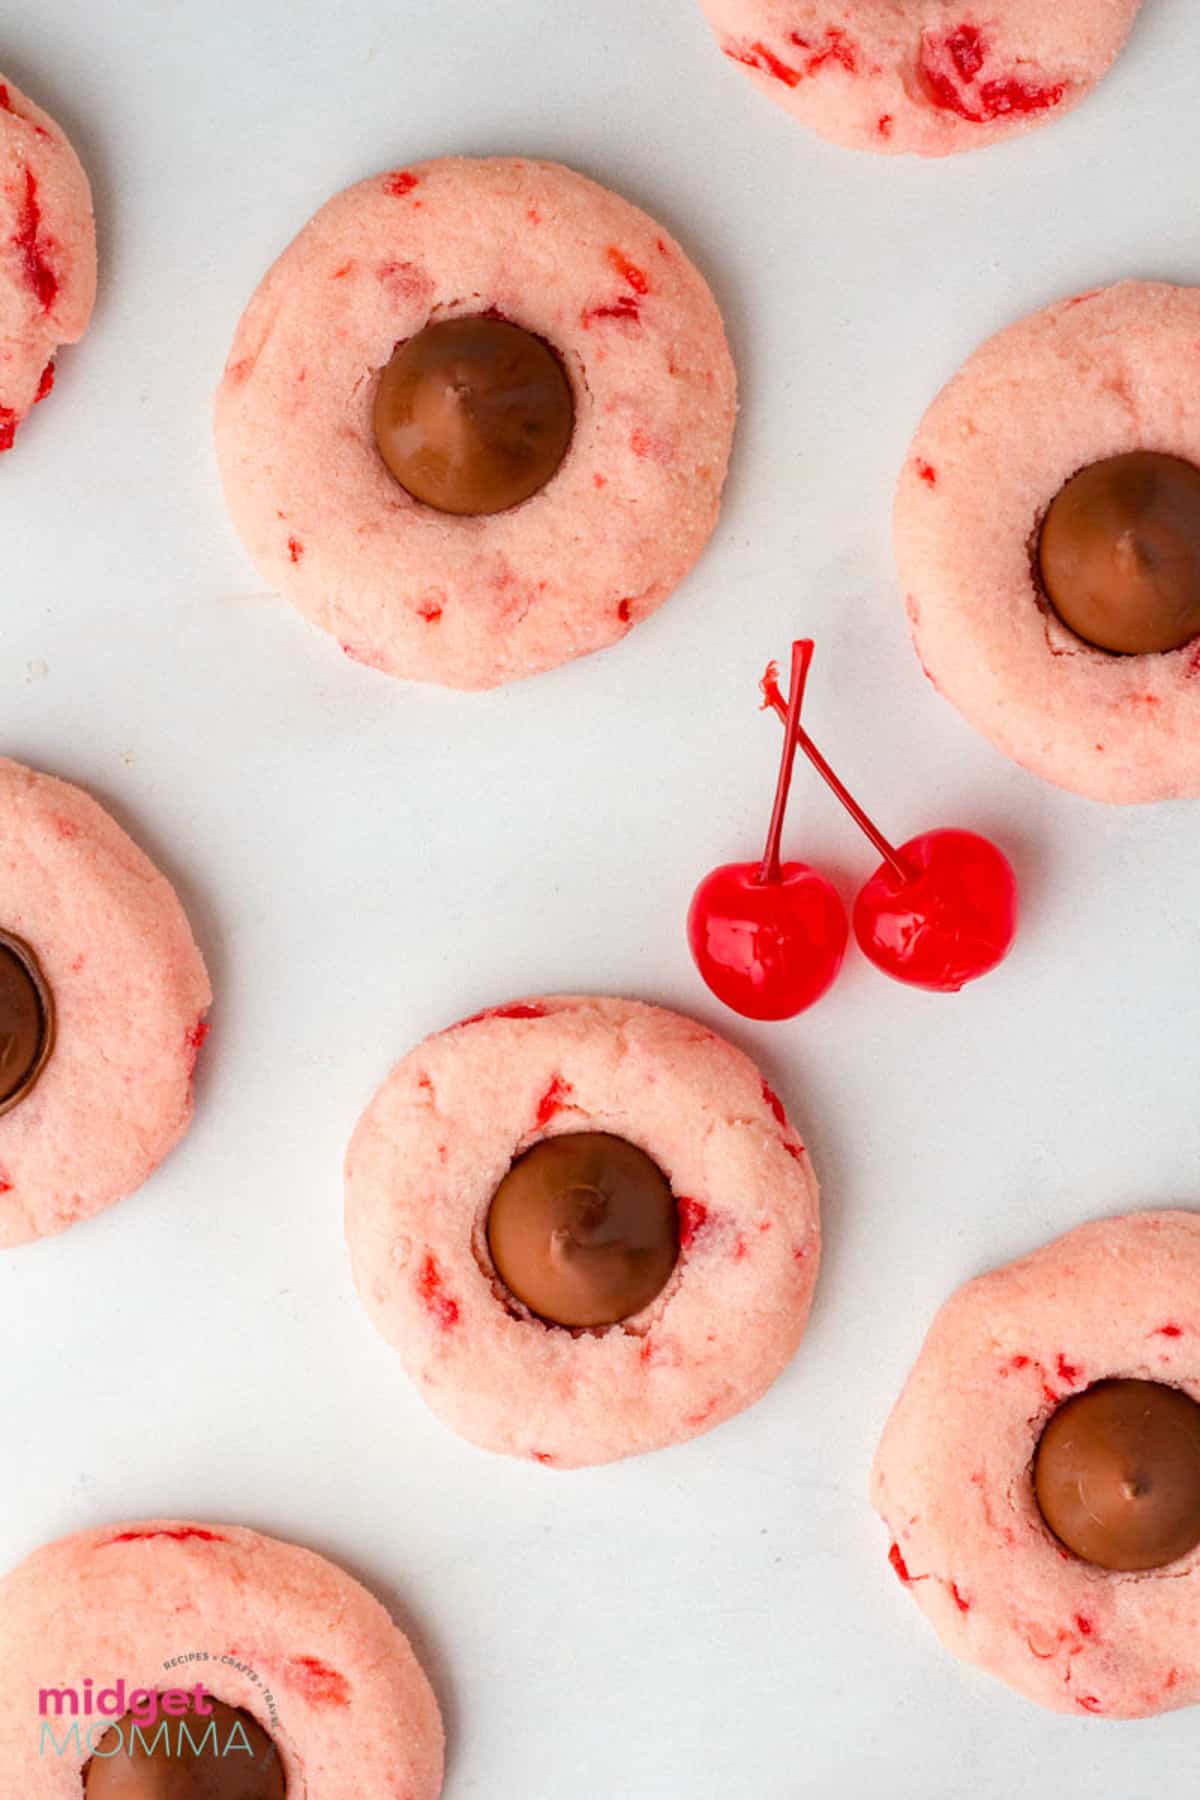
[
  {"x": 796, "y": 738},
  {"x": 802, "y": 655}
]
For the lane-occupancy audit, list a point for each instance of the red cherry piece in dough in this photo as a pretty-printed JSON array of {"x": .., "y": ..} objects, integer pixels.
[{"x": 951, "y": 921}]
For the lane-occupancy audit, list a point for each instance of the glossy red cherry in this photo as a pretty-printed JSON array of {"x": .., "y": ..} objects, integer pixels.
[
  {"x": 769, "y": 937},
  {"x": 767, "y": 949},
  {"x": 942, "y": 909},
  {"x": 952, "y": 920}
]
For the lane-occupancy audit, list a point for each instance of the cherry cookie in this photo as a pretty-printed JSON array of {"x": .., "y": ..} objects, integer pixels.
[
  {"x": 47, "y": 254},
  {"x": 922, "y": 75},
  {"x": 1040, "y": 1474},
  {"x": 586, "y": 1225},
  {"x": 168, "y": 1660},
  {"x": 1047, "y": 528},
  {"x": 102, "y": 1001},
  {"x": 476, "y": 420}
]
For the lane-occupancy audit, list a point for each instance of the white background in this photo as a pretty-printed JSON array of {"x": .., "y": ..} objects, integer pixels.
[{"x": 364, "y": 862}]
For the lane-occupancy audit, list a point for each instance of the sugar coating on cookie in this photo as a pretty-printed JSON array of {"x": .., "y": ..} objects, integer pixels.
[
  {"x": 953, "y": 1475},
  {"x": 922, "y": 76},
  {"x": 282, "y": 1634},
  {"x": 1088, "y": 378},
  {"x": 47, "y": 254},
  {"x": 472, "y": 602},
  {"x": 442, "y": 1133},
  {"x": 130, "y": 994}
]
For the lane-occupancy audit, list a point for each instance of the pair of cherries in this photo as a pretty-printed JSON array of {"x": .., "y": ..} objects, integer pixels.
[{"x": 769, "y": 937}]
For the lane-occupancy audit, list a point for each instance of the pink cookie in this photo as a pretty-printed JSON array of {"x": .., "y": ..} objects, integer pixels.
[
  {"x": 127, "y": 997},
  {"x": 47, "y": 254},
  {"x": 922, "y": 75},
  {"x": 263, "y": 1626},
  {"x": 1086, "y": 379},
  {"x": 953, "y": 1476},
  {"x": 444, "y": 1130},
  {"x": 472, "y": 602}
]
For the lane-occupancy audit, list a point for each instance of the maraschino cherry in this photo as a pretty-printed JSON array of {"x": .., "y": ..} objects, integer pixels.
[
  {"x": 769, "y": 937},
  {"x": 939, "y": 911}
]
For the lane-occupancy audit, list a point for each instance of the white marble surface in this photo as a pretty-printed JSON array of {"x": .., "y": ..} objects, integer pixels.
[{"x": 364, "y": 862}]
